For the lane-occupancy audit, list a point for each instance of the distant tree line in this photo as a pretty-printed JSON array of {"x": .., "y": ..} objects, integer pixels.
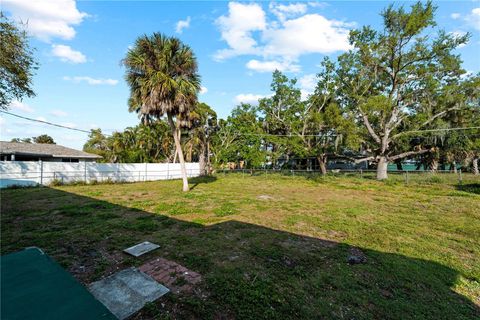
[
  {"x": 153, "y": 142},
  {"x": 399, "y": 93},
  {"x": 43, "y": 138}
]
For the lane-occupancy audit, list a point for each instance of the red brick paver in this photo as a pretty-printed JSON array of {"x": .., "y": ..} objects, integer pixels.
[{"x": 169, "y": 273}]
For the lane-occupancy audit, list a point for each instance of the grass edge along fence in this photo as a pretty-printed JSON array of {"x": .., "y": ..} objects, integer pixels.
[{"x": 405, "y": 176}]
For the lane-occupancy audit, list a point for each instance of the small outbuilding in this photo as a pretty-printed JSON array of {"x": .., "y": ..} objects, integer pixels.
[{"x": 20, "y": 151}]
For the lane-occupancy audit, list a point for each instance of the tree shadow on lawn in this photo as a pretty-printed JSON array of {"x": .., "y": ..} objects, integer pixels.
[
  {"x": 249, "y": 271},
  {"x": 199, "y": 180},
  {"x": 470, "y": 187}
]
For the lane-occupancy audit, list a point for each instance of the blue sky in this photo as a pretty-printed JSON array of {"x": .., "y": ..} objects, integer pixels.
[{"x": 79, "y": 45}]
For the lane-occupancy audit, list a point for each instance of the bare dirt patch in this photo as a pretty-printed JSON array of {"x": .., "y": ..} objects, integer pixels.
[{"x": 265, "y": 197}]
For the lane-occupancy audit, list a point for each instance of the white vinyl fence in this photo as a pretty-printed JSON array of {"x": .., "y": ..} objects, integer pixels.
[{"x": 30, "y": 173}]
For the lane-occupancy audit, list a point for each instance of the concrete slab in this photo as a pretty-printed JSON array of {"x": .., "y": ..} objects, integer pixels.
[
  {"x": 127, "y": 291},
  {"x": 141, "y": 248}
]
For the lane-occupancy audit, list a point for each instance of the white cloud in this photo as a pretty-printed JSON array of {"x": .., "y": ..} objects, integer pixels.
[
  {"x": 269, "y": 66},
  {"x": 41, "y": 119},
  {"x": 307, "y": 85},
  {"x": 67, "y": 54},
  {"x": 20, "y": 106},
  {"x": 182, "y": 24},
  {"x": 281, "y": 41},
  {"x": 237, "y": 27},
  {"x": 474, "y": 18},
  {"x": 91, "y": 81},
  {"x": 316, "y": 4},
  {"x": 282, "y": 11},
  {"x": 58, "y": 113},
  {"x": 455, "y": 15},
  {"x": 248, "y": 98},
  {"x": 203, "y": 90},
  {"x": 311, "y": 33},
  {"x": 46, "y": 19}
]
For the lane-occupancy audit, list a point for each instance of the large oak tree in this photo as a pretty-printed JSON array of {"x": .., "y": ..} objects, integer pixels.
[{"x": 394, "y": 80}]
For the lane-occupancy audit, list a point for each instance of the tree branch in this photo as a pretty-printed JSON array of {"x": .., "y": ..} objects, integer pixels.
[
  {"x": 409, "y": 153},
  {"x": 369, "y": 127},
  {"x": 364, "y": 159},
  {"x": 438, "y": 115}
]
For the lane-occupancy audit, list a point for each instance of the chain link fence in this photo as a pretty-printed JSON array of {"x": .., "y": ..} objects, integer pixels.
[{"x": 405, "y": 176}]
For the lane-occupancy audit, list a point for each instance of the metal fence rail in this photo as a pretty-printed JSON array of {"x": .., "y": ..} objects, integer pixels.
[{"x": 407, "y": 176}]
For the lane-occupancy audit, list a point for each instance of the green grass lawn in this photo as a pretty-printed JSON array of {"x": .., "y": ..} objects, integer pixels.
[{"x": 271, "y": 246}]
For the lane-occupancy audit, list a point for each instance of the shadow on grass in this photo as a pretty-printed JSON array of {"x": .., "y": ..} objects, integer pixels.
[
  {"x": 471, "y": 187},
  {"x": 249, "y": 271},
  {"x": 202, "y": 179}
]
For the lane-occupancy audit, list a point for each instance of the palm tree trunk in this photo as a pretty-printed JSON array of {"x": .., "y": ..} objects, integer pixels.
[
  {"x": 202, "y": 160},
  {"x": 178, "y": 146},
  {"x": 175, "y": 155}
]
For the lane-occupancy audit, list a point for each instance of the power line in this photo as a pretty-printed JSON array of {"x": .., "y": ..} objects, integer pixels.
[
  {"x": 445, "y": 129},
  {"x": 244, "y": 134},
  {"x": 333, "y": 135},
  {"x": 44, "y": 122}
]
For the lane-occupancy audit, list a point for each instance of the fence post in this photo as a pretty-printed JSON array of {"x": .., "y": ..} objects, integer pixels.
[
  {"x": 460, "y": 176},
  {"x": 406, "y": 177},
  {"x": 145, "y": 179},
  {"x": 40, "y": 163},
  {"x": 118, "y": 173},
  {"x": 85, "y": 171}
]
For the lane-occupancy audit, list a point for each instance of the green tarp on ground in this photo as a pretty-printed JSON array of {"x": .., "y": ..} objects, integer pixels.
[{"x": 34, "y": 286}]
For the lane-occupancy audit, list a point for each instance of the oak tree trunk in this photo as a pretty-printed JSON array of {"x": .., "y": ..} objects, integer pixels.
[
  {"x": 322, "y": 161},
  {"x": 178, "y": 146},
  {"x": 382, "y": 166},
  {"x": 434, "y": 165},
  {"x": 399, "y": 166},
  {"x": 475, "y": 166},
  {"x": 453, "y": 167}
]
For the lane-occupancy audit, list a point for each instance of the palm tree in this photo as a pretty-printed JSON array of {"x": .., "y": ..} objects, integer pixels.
[{"x": 163, "y": 77}]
